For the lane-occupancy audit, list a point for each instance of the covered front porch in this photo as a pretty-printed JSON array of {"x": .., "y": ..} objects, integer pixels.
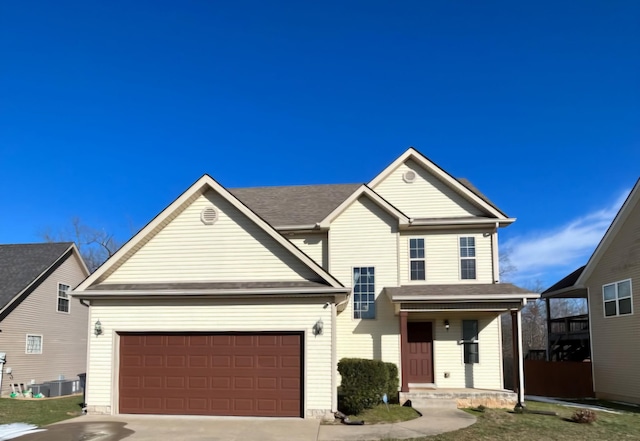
[{"x": 450, "y": 343}]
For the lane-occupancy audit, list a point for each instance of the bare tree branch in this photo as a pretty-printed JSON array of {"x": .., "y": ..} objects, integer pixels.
[{"x": 95, "y": 245}]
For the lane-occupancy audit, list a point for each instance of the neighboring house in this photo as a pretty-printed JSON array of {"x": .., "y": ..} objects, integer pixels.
[
  {"x": 43, "y": 331},
  {"x": 608, "y": 281},
  {"x": 242, "y": 301}
]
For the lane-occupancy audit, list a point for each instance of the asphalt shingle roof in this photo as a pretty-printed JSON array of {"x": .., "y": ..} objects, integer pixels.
[
  {"x": 21, "y": 264},
  {"x": 294, "y": 205}
]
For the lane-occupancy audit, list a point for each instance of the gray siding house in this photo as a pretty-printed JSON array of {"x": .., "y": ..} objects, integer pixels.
[{"x": 43, "y": 330}]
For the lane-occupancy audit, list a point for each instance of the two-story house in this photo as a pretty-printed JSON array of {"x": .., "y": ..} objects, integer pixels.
[
  {"x": 242, "y": 301},
  {"x": 43, "y": 333},
  {"x": 607, "y": 282}
]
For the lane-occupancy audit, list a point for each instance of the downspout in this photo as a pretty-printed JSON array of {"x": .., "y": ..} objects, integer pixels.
[{"x": 334, "y": 358}]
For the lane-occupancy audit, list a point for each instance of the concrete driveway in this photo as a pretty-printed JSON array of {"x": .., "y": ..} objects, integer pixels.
[
  {"x": 193, "y": 428},
  {"x": 183, "y": 428}
]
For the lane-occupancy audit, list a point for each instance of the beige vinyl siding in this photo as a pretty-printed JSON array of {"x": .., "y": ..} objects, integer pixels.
[
  {"x": 615, "y": 366},
  {"x": 232, "y": 249},
  {"x": 64, "y": 336},
  {"x": 293, "y": 314},
  {"x": 442, "y": 253},
  {"x": 313, "y": 245},
  {"x": 426, "y": 197},
  {"x": 448, "y": 353},
  {"x": 365, "y": 235}
]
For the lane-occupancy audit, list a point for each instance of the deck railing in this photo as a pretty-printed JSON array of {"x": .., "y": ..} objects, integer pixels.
[{"x": 576, "y": 324}]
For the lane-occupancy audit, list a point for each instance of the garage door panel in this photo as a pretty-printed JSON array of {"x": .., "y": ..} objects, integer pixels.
[{"x": 211, "y": 374}]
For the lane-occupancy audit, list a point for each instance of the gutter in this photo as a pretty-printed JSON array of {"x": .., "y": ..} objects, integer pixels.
[
  {"x": 300, "y": 228},
  {"x": 210, "y": 293},
  {"x": 466, "y": 222},
  {"x": 458, "y": 299}
]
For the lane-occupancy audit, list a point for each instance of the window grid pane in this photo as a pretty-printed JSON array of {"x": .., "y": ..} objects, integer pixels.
[
  {"x": 63, "y": 297},
  {"x": 364, "y": 293},
  {"x": 34, "y": 344},
  {"x": 467, "y": 258},
  {"x": 469, "y": 338},
  {"x": 617, "y": 298},
  {"x": 417, "y": 266}
]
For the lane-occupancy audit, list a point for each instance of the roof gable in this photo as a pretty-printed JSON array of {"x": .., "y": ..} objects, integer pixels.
[
  {"x": 24, "y": 266},
  {"x": 373, "y": 196},
  {"x": 630, "y": 207},
  {"x": 434, "y": 193},
  {"x": 225, "y": 251}
]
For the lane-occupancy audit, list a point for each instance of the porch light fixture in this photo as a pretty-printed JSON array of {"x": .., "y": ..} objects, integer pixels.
[
  {"x": 446, "y": 325},
  {"x": 97, "y": 329},
  {"x": 318, "y": 327}
]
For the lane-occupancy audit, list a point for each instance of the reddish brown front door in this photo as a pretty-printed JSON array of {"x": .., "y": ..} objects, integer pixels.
[
  {"x": 237, "y": 374},
  {"x": 419, "y": 352}
]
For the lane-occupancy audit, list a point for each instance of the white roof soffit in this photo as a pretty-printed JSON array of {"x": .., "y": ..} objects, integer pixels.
[
  {"x": 364, "y": 190},
  {"x": 199, "y": 187},
  {"x": 623, "y": 214},
  {"x": 433, "y": 168}
]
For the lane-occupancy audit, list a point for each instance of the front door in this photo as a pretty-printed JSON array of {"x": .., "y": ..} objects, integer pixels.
[{"x": 419, "y": 352}]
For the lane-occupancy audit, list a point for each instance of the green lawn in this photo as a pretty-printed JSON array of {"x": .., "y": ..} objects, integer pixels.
[
  {"x": 381, "y": 414},
  {"x": 500, "y": 425},
  {"x": 39, "y": 411}
]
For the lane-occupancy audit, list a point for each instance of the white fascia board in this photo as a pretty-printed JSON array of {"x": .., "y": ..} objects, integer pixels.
[
  {"x": 364, "y": 190},
  {"x": 413, "y": 154},
  {"x": 489, "y": 222},
  {"x": 630, "y": 204}
]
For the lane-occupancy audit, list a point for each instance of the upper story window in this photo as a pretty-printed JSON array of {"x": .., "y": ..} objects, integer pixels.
[
  {"x": 417, "y": 259},
  {"x": 467, "y": 258},
  {"x": 34, "y": 344},
  {"x": 364, "y": 293},
  {"x": 63, "y": 297},
  {"x": 617, "y": 298}
]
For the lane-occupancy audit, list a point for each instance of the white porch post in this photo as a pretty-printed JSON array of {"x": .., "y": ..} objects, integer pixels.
[{"x": 520, "y": 359}]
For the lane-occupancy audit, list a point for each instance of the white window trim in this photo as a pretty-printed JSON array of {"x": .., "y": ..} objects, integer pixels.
[
  {"x": 462, "y": 342},
  {"x": 68, "y": 298},
  {"x": 26, "y": 344},
  {"x": 617, "y": 300},
  {"x": 375, "y": 291},
  {"x": 475, "y": 258},
  {"x": 418, "y": 281}
]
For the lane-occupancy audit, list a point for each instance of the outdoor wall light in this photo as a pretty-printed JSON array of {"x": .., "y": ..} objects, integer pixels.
[
  {"x": 318, "y": 327},
  {"x": 446, "y": 325},
  {"x": 97, "y": 329}
]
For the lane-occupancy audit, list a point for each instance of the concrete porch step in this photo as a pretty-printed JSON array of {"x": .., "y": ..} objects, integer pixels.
[{"x": 433, "y": 403}]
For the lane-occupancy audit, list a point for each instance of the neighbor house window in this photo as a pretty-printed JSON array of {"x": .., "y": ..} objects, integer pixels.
[
  {"x": 617, "y": 298},
  {"x": 364, "y": 293},
  {"x": 416, "y": 259},
  {"x": 467, "y": 258},
  {"x": 34, "y": 344},
  {"x": 470, "y": 341},
  {"x": 63, "y": 297}
]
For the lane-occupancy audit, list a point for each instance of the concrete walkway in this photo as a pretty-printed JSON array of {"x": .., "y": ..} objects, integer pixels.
[
  {"x": 432, "y": 422},
  {"x": 194, "y": 428}
]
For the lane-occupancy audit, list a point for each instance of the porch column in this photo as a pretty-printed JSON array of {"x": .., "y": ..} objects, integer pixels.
[
  {"x": 518, "y": 368},
  {"x": 404, "y": 344},
  {"x": 548, "y": 305}
]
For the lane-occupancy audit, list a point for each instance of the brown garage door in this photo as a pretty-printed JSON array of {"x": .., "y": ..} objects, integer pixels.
[{"x": 211, "y": 374}]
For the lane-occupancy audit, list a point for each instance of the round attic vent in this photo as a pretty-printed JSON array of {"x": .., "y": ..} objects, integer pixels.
[
  {"x": 409, "y": 176},
  {"x": 209, "y": 216}
]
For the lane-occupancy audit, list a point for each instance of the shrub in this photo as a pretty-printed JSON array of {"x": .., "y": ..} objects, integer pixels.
[
  {"x": 584, "y": 416},
  {"x": 364, "y": 382},
  {"x": 393, "y": 382}
]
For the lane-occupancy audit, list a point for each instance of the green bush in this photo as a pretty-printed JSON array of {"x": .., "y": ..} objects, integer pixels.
[
  {"x": 393, "y": 382},
  {"x": 364, "y": 382}
]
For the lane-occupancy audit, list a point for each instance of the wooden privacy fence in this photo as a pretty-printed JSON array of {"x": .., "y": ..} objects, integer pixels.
[{"x": 560, "y": 379}]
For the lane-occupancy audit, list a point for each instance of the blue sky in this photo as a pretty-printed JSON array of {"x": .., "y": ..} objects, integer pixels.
[{"x": 110, "y": 109}]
